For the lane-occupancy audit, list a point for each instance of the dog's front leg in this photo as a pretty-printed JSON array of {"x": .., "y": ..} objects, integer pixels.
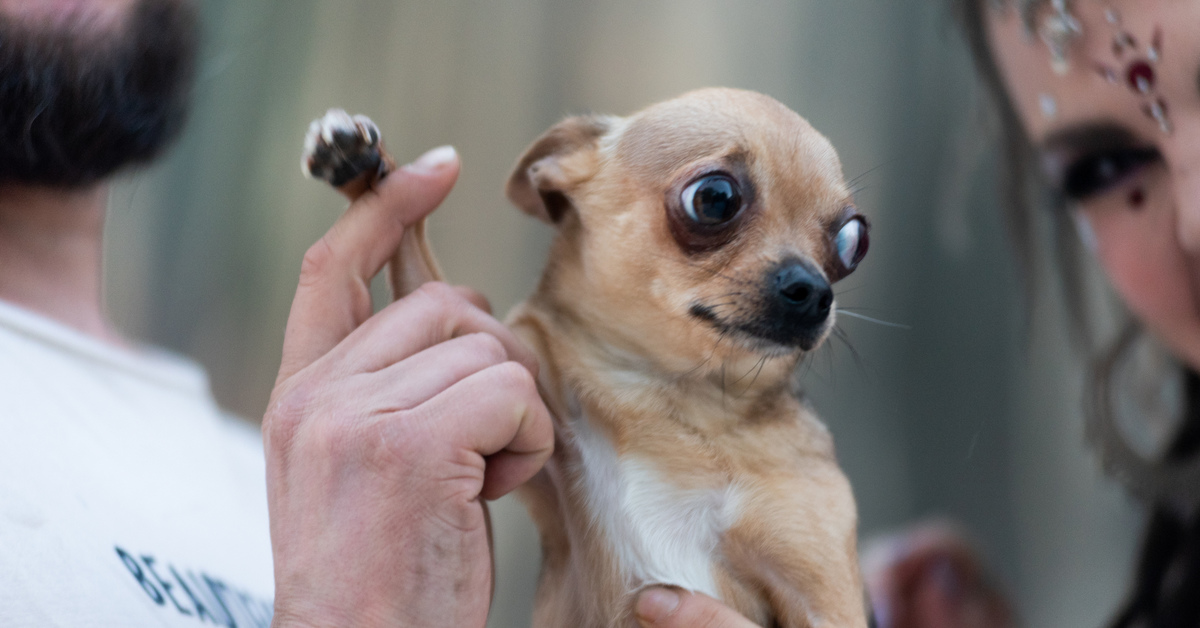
[
  {"x": 347, "y": 152},
  {"x": 797, "y": 539}
]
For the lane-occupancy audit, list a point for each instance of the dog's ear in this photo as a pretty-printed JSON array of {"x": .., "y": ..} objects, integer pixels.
[{"x": 543, "y": 178}]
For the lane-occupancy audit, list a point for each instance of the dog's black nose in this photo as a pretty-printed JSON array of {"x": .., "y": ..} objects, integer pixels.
[{"x": 804, "y": 293}]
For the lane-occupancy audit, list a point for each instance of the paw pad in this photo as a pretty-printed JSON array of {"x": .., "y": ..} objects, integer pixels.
[{"x": 339, "y": 147}]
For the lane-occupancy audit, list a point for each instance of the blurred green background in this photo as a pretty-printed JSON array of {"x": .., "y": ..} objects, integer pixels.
[{"x": 970, "y": 413}]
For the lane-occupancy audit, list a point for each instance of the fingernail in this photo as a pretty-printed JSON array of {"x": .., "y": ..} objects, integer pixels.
[
  {"x": 655, "y": 605},
  {"x": 434, "y": 160}
]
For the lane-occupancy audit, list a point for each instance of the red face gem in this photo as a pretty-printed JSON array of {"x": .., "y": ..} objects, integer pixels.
[
  {"x": 1140, "y": 76},
  {"x": 1137, "y": 198}
]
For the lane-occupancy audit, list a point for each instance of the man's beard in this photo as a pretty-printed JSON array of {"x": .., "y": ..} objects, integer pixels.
[{"x": 79, "y": 103}]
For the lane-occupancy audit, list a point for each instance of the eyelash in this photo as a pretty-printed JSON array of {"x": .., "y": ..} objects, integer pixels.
[{"x": 1095, "y": 173}]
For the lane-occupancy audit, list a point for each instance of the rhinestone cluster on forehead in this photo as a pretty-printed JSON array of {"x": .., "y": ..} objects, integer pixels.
[
  {"x": 1138, "y": 72},
  {"x": 1058, "y": 28}
]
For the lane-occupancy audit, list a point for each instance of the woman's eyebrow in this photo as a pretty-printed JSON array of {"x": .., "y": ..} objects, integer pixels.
[{"x": 1088, "y": 137}]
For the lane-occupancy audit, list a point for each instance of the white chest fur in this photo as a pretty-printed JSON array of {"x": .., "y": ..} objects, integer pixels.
[{"x": 659, "y": 533}]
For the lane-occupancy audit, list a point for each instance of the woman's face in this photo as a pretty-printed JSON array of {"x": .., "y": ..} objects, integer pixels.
[{"x": 1117, "y": 122}]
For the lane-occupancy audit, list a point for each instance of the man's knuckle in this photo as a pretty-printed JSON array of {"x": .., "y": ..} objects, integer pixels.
[
  {"x": 316, "y": 260},
  {"x": 279, "y": 430},
  {"x": 489, "y": 347},
  {"x": 343, "y": 438},
  {"x": 440, "y": 294},
  {"x": 285, "y": 415},
  {"x": 405, "y": 436},
  {"x": 514, "y": 376}
]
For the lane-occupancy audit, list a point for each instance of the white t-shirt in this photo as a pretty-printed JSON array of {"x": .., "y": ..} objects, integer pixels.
[{"x": 127, "y": 498}]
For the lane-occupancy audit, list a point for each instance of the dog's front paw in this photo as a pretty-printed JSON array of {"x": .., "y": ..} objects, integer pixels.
[{"x": 340, "y": 147}]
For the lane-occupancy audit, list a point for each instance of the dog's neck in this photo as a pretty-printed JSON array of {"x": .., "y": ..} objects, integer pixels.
[{"x": 607, "y": 373}]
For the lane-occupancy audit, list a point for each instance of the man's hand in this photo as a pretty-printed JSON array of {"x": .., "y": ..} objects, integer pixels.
[
  {"x": 386, "y": 432},
  {"x": 661, "y": 607},
  {"x": 930, "y": 576}
]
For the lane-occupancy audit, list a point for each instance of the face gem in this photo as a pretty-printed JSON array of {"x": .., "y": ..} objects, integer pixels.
[
  {"x": 1059, "y": 30},
  {"x": 1140, "y": 77},
  {"x": 1083, "y": 226},
  {"x": 1157, "y": 111},
  {"x": 1106, "y": 73},
  {"x": 1123, "y": 41},
  {"x": 1154, "y": 52},
  {"x": 1048, "y": 105},
  {"x": 1137, "y": 198}
]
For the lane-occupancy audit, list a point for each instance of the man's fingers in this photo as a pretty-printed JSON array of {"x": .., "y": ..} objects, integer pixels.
[
  {"x": 662, "y": 607},
  {"x": 426, "y": 374},
  {"x": 475, "y": 297},
  {"x": 931, "y": 576},
  {"x": 432, "y": 314},
  {"x": 512, "y": 427},
  {"x": 333, "y": 297}
]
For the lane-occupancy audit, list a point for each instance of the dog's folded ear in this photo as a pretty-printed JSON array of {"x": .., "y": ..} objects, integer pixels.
[{"x": 544, "y": 176}]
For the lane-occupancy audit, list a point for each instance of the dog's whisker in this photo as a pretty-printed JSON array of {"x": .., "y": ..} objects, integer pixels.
[
  {"x": 730, "y": 303},
  {"x": 844, "y": 337},
  {"x": 720, "y": 337},
  {"x": 731, "y": 294},
  {"x": 873, "y": 320},
  {"x": 829, "y": 365},
  {"x": 749, "y": 371},
  {"x": 806, "y": 365},
  {"x": 858, "y": 178},
  {"x": 711, "y": 271},
  {"x": 757, "y": 371},
  {"x": 848, "y": 290},
  {"x": 705, "y": 360},
  {"x": 723, "y": 405}
]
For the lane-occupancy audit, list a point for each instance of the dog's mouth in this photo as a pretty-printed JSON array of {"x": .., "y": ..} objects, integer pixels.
[
  {"x": 792, "y": 309},
  {"x": 771, "y": 333}
]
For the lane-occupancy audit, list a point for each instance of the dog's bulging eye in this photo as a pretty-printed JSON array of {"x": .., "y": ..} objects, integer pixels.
[
  {"x": 712, "y": 200},
  {"x": 852, "y": 242}
]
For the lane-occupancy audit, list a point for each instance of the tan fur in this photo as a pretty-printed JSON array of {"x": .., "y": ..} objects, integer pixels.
[
  {"x": 610, "y": 322},
  {"x": 619, "y": 349}
]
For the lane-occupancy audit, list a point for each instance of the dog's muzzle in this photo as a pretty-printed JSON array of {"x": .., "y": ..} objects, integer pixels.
[
  {"x": 794, "y": 305},
  {"x": 804, "y": 295}
]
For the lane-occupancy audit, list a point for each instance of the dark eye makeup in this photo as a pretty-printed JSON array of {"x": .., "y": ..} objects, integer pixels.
[
  {"x": 1096, "y": 173},
  {"x": 1089, "y": 160}
]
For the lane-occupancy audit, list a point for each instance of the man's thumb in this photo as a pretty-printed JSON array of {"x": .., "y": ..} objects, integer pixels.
[{"x": 662, "y": 607}]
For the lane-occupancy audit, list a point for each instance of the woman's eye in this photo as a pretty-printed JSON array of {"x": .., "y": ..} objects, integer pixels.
[
  {"x": 712, "y": 200},
  {"x": 1099, "y": 172},
  {"x": 852, "y": 242}
]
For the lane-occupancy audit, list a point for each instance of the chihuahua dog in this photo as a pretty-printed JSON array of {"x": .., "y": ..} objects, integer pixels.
[{"x": 697, "y": 241}]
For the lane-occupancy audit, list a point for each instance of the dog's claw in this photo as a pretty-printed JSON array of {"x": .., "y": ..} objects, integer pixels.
[{"x": 340, "y": 147}]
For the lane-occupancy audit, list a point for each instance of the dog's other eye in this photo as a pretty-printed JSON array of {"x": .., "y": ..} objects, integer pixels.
[
  {"x": 852, "y": 242},
  {"x": 712, "y": 200}
]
